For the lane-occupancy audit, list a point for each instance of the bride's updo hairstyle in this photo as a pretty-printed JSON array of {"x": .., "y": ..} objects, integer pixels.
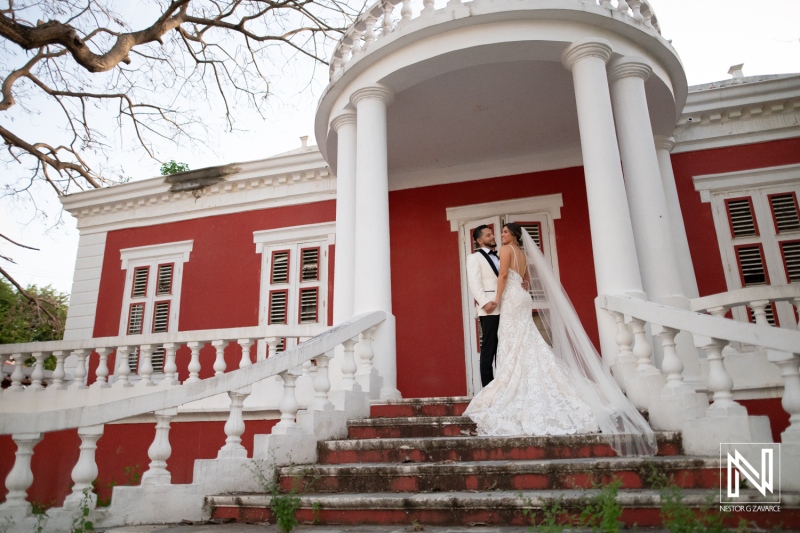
[{"x": 516, "y": 231}]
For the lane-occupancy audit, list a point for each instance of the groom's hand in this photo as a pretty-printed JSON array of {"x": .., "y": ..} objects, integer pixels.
[
  {"x": 490, "y": 306},
  {"x": 525, "y": 285}
]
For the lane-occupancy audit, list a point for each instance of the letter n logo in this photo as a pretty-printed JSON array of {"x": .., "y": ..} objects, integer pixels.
[{"x": 760, "y": 481}]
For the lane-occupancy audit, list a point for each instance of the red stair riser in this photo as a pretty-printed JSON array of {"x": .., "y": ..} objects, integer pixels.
[
  {"x": 413, "y": 410},
  {"x": 407, "y": 432}
]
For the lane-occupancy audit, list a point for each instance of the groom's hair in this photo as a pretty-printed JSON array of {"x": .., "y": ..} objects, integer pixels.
[{"x": 476, "y": 233}]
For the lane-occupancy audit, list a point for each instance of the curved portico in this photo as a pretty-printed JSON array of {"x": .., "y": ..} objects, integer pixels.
[{"x": 479, "y": 85}]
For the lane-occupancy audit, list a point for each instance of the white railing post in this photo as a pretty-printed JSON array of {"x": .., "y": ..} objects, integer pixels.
[
  {"x": 349, "y": 366},
  {"x": 358, "y": 47},
  {"x": 37, "y": 376},
  {"x": 194, "y": 365},
  {"x": 427, "y": 7},
  {"x": 123, "y": 367},
  {"x": 366, "y": 353},
  {"x": 160, "y": 450},
  {"x": 406, "y": 12},
  {"x": 671, "y": 364},
  {"x": 85, "y": 471},
  {"x": 636, "y": 6},
  {"x": 102, "y": 369},
  {"x": 624, "y": 366},
  {"x": 719, "y": 381},
  {"x": 245, "y": 361},
  {"x": 58, "y": 374},
  {"x": 788, "y": 363},
  {"x": 146, "y": 365},
  {"x": 288, "y": 406},
  {"x": 622, "y": 7},
  {"x": 647, "y": 377},
  {"x": 386, "y": 24},
  {"x": 322, "y": 384},
  {"x": 170, "y": 368},
  {"x": 219, "y": 361},
  {"x": 20, "y": 478},
  {"x": 17, "y": 375},
  {"x": 79, "y": 381},
  {"x": 234, "y": 428},
  {"x": 759, "y": 308},
  {"x": 272, "y": 343},
  {"x": 369, "y": 33}
]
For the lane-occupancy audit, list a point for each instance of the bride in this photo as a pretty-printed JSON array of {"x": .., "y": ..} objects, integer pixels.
[{"x": 542, "y": 391}]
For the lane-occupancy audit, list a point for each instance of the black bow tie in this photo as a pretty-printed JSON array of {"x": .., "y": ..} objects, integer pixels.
[{"x": 493, "y": 252}]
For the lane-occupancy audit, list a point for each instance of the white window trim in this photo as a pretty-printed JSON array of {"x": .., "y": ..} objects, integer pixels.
[
  {"x": 153, "y": 255},
  {"x": 550, "y": 203},
  {"x": 709, "y": 184},
  {"x": 321, "y": 232}
]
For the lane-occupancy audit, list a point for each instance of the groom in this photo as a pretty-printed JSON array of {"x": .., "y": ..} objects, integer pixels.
[{"x": 482, "y": 270}]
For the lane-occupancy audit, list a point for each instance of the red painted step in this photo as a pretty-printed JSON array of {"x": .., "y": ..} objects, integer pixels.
[
  {"x": 386, "y": 428},
  {"x": 420, "y": 407}
]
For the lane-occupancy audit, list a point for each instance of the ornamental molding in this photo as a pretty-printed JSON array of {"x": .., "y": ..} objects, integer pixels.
[
  {"x": 709, "y": 184},
  {"x": 747, "y": 113},
  {"x": 293, "y": 178},
  {"x": 550, "y": 204},
  {"x": 178, "y": 251},
  {"x": 269, "y": 237}
]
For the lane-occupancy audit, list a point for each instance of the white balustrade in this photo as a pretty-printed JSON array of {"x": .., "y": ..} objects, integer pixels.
[
  {"x": 37, "y": 376},
  {"x": 234, "y": 428},
  {"x": 85, "y": 471},
  {"x": 219, "y": 361},
  {"x": 245, "y": 360},
  {"x": 789, "y": 363},
  {"x": 160, "y": 450},
  {"x": 18, "y": 374},
  {"x": 20, "y": 478},
  {"x": 101, "y": 381},
  {"x": 288, "y": 405},
  {"x": 366, "y": 353},
  {"x": 194, "y": 364},
  {"x": 58, "y": 374},
  {"x": 671, "y": 364},
  {"x": 641, "y": 348},
  {"x": 79, "y": 381},
  {"x": 121, "y": 377},
  {"x": 719, "y": 381},
  {"x": 322, "y": 384},
  {"x": 170, "y": 368},
  {"x": 349, "y": 366},
  {"x": 146, "y": 365}
]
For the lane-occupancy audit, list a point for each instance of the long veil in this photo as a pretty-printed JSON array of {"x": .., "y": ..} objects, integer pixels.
[{"x": 629, "y": 432}]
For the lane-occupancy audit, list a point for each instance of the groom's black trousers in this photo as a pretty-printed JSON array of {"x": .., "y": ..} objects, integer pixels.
[{"x": 489, "y": 325}]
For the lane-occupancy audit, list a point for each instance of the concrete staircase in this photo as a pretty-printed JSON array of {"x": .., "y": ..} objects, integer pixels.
[{"x": 412, "y": 462}]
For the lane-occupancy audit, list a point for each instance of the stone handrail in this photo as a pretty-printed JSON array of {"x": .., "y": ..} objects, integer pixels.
[
  {"x": 57, "y": 409},
  {"x": 378, "y": 21},
  {"x": 747, "y": 297}
]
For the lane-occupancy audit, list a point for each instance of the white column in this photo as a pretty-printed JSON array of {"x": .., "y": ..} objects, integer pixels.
[
  {"x": 85, "y": 470},
  {"x": 664, "y": 146},
  {"x": 648, "y": 205},
  {"x": 615, "y": 262},
  {"x": 344, "y": 260},
  {"x": 373, "y": 292}
]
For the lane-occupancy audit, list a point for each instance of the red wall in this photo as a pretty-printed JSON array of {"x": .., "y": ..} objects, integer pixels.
[{"x": 426, "y": 284}]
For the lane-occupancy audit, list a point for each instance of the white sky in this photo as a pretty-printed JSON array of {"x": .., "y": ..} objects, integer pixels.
[{"x": 709, "y": 35}]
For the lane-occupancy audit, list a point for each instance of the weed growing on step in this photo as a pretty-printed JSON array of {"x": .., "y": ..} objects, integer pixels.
[
  {"x": 552, "y": 511},
  {"x": 81, "y": 523},
  {"x": 283, "y": 505},
  {"x": 601, "y": 512},
  {"x": 39, "y": 511},
  {"x": 133, "y": 474},
  {"x": 316, "y": 508}
]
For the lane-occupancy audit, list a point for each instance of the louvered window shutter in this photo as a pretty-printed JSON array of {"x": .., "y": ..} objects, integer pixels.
[
  {"x": 164, "y": 286},
  {"x": 785, "y": 212},
  {"x": 309, "y": 269},
  {"x": 140, "y": 276},
  {"x": 751, "y": 265},
  {"x": 277, "y": 306},
  {"x": 161, "y": 317},
  {"x": 280, "y": 267},
  {"x": 790, "y": 251},
  {"x": 308, "y": 305},
  {"x": 534, "y": 229},
  {"x": 741, "y": 217},
  {"x": 135, "y": 318}
]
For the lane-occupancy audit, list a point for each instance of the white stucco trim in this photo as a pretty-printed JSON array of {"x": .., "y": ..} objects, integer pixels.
[
  {"x": 550, "y": 203},
  {"x": 171, "y": 250},
  {"x": 322, "y": 231},
  {"x": 85, "y": 287},
  {"x": 707, "y": 184}
]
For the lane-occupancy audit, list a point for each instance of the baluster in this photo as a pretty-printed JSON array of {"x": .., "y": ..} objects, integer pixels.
[
  {"x": 641, "y": 348},
  {"x": 146, "y": 365},
  {"x": 366, "y": 353},
  {"x": 219, "y": 362},
  {"x": 719, "y": 381},
  {"x": 322, "y": 384},
  {"x": 369, "y": 33},
  {"x": 79, "y": 381},
  {"x": 21, "y": 476},
  {"x": 405, "y": 13},
  {"x": 38, "y": 371},
  {"x": 17, "y": 375},
  {"x": 102, "y": 369},
  {"x": 671, "y": 365},
  {"x": 606, "y": 4},
  {"x": 307, "y": 368},
  {"x": 427, "y": 7},
  {"x": 718, "y": 312},
  {"x": 387, "y": 25},
  {"x": 358, "y": 47},
  {"x": 788, "y": 363},
  {"x": 647, "y": 14},
  {"x": 272, "y": 343},
  {"x": 624, "y": 339},
  {"x": 245, "y": 360},
  {"x": 288, "y": 405},
  {"x": 160, "y": 450},
  {"x": 3, "y": 359},
  {"x": 234, "y": 427},
  {"x": 636, "y": 6},
  {"x": 58, "y": 374},
  {"x": 85, "y": 471},
  {"x": 170, "y": 368},
  {"x": 345, "y": 53},
  {"x": 123, "y": 367},
  {"x": 759, "y": 308},
  {"x": 349, "y": 366},
  {"x": 796, "y": 303},
  {"x": 622, "y": 7},
  {"x": 194, "y": 365},
  {"x": 453, "y": 3}
]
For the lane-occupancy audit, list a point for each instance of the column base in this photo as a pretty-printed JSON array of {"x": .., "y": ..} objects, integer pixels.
[
  {"x": 703, "y": 436},
  {"x": 354, "y": 403},
  {"x": 323, "y": 425},
  {"x": 640, "y": 386},
  {"x": 790, "y": 464},
  {"x": 371, "y": 383},
  {"x": 673, "y": 406},
  {"x": 281, "y": 450}
]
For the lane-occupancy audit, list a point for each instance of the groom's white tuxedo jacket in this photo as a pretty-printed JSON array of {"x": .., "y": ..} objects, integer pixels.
[{"x": 482, "y": 282}]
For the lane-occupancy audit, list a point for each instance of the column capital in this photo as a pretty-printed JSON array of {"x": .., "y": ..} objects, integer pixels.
[
  {"x": 342, "y": 120},
  {"x": 664, "y": 143},
  {"x": 578, "y": 50},
  {"x": 376, "y": 92},
  {"x": 625, "y": 67}
]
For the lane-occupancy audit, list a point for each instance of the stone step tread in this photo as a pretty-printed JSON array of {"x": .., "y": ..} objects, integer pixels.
[
  {"x": 410, "y": 443},
  {"x": 410, "y": 421},
  {"x": 424, "y": 401},
  {"x": 642, "y": 498},
  {"x": 494, "y": 467}
]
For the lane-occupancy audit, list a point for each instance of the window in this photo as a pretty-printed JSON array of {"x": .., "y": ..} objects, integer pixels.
[
  {"x": 294, "y": 275},
  {"x": 153, "y": 286},
  {"x": 758, "y": 229}
]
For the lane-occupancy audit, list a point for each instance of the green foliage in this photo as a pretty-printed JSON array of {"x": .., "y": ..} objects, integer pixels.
[
  {"x": 283, "y": 505},
  {"x": 173, "y": 167},
  {"x": 602, "y": 511},
  {"x": 316, "y": 508},
  {"x": 39, "y": 511},
  {"x": 553, "y": 510},
  {"x": 133, "y": 475},
  {"x": 81, "y": 522},
  {"x": 23, "y": 321}
]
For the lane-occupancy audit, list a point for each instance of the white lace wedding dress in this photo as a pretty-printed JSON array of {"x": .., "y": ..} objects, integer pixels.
[{"x": 532, "y": 392}]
